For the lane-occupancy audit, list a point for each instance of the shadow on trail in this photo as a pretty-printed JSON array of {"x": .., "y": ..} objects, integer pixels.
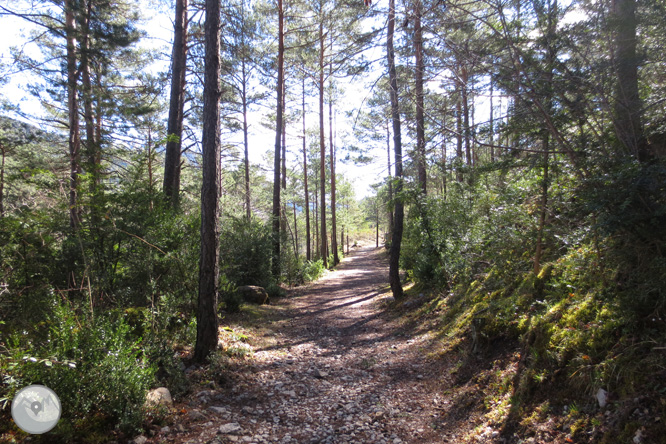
[{"x": 339, "y": 325}]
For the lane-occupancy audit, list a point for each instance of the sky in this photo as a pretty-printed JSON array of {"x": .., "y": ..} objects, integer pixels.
[{"x": 13, "y": 32}]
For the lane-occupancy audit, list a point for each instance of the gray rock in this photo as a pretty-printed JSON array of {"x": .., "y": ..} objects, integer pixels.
[
  {"x": 196, "y": 415},
  {"x": 602, "y": 397},
  {"x": 218, "y": 410},
  {"x": 159, "y": 396},
  {"x": 253, "y": 294},
  {"x": 232, "y": 428},
  {"x": 140, "y": 440}
]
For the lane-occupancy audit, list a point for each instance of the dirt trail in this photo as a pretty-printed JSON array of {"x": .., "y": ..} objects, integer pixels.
[{"x": 336, "y": 370}]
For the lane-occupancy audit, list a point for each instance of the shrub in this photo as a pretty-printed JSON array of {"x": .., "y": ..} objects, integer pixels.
[
  {"x": 246, "y": 251},
  {"x": 229, "y": 296},
  {"x": 94, "y": 365},
  {"x": 312, "y": 270}
]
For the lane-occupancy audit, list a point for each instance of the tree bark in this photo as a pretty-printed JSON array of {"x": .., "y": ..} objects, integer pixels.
[
  {"x": 491, "y": 131},
  {"x": 74, "y": 138},
  {"x": 91, "y": 145},
  {"x": 418, "y": 87},
  {"x": 323, "y": 247},
  {"x": 308, "y": 254},
  {"x": 377, "y": 224},
  {"x": 390, "y": 179},
  {"x": 396, "y": 240},
  {"x": 171, "y": 186},
  {"x": 210, "y": 237},
  {"x": 459, "y": 136},
  {"x": 284, "y": 135},
  {"x": 316, "y": 212},
  {"x": 278, "y": 146},
  {"x": 248, "y": 209},
  {"x": 465, "y": 115},
  {"x": 627, "y": 102},
  {"x": 295, "y": 231},
  {"x": 334, "y": 230},
  {"x": 2, "y": 180}
]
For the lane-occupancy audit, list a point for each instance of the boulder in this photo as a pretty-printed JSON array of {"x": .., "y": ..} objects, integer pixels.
[
  {"x": 253, "y": 294},
  {"x": 159, "y": 396}
]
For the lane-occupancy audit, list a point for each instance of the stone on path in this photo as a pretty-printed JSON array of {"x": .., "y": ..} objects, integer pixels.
[{"x": 231, "y": 428}]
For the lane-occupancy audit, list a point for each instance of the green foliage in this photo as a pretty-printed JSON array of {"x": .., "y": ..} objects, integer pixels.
[
  {"x": 591, "y": 315},
  {"x": 229, "y": 296},
  {"x": 94, "y": 365},
  {"x": 313, "y": 270},
  {"x": 275, "y": 291},
  {"x": 245, "y": 251},
  {"x": 298, "y": 271}
]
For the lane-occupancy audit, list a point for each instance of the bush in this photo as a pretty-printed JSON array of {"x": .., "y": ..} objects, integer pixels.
[
  {"x": 246, "y": 251},
  {"x": 300, "y": 271},
  {"x": 312, "y": 270},
  {"x": 94, "y": 365},
  {"x": 229, "y": 296},
  {"x": 275, "y": 291}
]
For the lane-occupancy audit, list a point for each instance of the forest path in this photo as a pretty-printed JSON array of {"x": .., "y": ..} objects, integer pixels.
[{"x": 335, "y": 369}]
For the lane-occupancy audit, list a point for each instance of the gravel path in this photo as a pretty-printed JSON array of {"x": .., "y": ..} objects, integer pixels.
[{"x": 336, "y": 370}]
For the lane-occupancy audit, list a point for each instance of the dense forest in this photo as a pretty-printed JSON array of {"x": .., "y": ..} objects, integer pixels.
[{"x": 522, "y": 189}]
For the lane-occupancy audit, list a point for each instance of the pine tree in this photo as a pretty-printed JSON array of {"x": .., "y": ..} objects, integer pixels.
[
  {"x": 171, "y": 185},
  {"x": 209, "y": 267}
]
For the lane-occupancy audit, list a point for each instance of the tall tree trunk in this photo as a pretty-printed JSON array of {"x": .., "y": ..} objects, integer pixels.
[
  {"x": 74, "y": 139},
  {"x": 248, "y": 209},
  {"x": 308, "y": 254},
  {"x": 459, "y": 136},
  {"x": 171, "y": 185},
  {"x": 465, "y": 115},
  {"x": 418, "y": 87},
  {"x": 278, "y": 145},
  {"x": 551, "y": 56},
  {"x": 543, "y": 207},
  {"x": 295, "y": 231},
  {"x": 396, "y": 241},
  {"x": 491, "y": 131},
  {"x": 323, "y": 247},
  {"x": 283, "y": 157},
  {"x": 246, "y": 145},
  {"x": 151, "y": 187},
  {"x": 445, "y": 172},
  {"x": 316, "y": 212},
  {"x": 284, "y": 134},
  {"x": 209, "y": 266},
  {"x": 334, "y": 230},
  {"x": 390, "y": 179},
  {"x": 377, "y": 224},
  {"x": 91, "y": 144},
  {"x": 3, "y": 150},
  {"x": 627, "y": 101}
]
